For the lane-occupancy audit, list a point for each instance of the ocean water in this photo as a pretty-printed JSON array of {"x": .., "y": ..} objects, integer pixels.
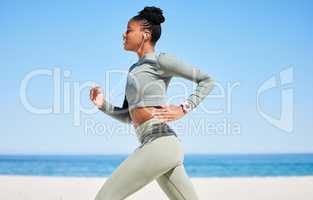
[{"x": 197, "y": 165}]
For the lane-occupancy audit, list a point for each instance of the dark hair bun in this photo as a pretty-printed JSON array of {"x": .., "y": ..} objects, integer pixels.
[{"x": 152, "y": 14}]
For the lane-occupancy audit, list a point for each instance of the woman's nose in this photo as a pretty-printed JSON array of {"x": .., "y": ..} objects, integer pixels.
[{"x": 124, "y": 36}]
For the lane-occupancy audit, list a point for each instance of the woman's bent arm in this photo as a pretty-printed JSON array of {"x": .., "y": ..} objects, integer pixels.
[
  {"x": 121, "y": 114},
  {"x": 175, "y": 67}
]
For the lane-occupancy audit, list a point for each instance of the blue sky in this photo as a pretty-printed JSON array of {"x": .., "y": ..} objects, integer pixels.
[{"x": 241, "y": 43}]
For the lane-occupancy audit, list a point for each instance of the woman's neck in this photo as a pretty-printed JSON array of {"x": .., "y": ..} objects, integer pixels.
[{"x": 144, "y": 51}]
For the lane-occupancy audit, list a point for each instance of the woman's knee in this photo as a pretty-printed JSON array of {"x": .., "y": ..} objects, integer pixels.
[
  {"x": 109, "y": 189},
  {"x": 177, "y": 185},
  {"x": 103, "y": 195},
  {"x": 106, "y": 194}
]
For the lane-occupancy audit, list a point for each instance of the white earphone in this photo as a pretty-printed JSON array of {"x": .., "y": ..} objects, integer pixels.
[{"x": 145, "y": 36}]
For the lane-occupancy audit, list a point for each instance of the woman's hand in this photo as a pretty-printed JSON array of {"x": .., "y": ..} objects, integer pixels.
[
  {"x": 168, "y": 112},
  {"x": 97, "y": 97}
]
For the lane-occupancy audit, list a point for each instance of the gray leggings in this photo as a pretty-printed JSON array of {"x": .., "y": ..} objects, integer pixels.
[{"x": 159, "y": 158}]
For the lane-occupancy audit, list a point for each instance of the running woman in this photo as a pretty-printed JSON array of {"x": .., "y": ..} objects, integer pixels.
[{"x": 160, "y": 154}]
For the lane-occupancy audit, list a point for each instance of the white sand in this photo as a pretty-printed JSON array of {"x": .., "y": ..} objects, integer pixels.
[{"x": 85, "y": 188}]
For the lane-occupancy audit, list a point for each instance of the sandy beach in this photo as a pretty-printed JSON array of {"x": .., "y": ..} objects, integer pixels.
[{"x": 85, "y": 188}]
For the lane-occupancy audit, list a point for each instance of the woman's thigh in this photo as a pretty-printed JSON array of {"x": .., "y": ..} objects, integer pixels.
[
  {"x": 177, "y": 185},
  {"x": 141, "y": 167}
]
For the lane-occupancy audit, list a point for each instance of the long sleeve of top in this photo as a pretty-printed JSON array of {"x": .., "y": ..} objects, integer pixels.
[
  {"x": 173, "y": 66},
  {"x": 147, "y": 83},
  {"x": 119, "y": 113}
]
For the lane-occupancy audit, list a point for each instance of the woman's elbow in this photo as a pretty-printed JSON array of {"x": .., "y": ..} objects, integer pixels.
[{"x": 207, "y": 82}]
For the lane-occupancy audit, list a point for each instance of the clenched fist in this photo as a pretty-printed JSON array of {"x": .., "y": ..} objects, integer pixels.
[{"x": 97, "y": 97}]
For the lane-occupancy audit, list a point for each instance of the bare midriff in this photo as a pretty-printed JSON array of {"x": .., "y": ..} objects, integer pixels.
[{"x": 141, "y": 114}]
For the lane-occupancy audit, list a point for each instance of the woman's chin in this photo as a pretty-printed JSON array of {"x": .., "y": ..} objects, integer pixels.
[{"x": 127, "y": 48}]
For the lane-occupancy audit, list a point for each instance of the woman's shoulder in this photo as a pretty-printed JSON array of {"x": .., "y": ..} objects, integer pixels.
[
  {"x": 167, "y": 59},
  {"x": 165, "y": 55}
]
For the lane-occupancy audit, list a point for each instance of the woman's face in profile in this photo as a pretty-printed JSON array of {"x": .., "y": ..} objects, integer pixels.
[{"x": 133, "y": 36}]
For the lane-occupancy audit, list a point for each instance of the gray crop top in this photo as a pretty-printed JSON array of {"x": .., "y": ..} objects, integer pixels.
[{"x": 147, "y": 83}]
